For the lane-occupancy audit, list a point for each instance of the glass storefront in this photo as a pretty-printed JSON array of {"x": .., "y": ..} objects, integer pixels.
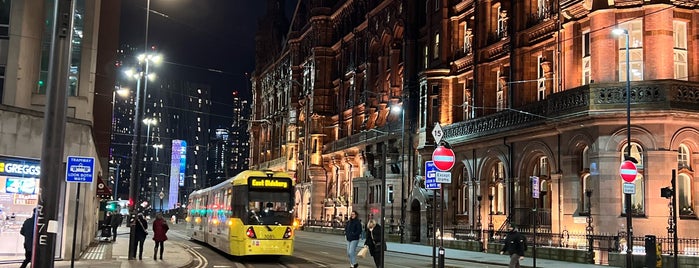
[{"x": 19, "y": 185}]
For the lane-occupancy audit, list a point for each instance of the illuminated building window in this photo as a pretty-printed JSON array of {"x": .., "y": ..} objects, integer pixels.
[
  {"x": 635, "y": 30},
  {"x": 500, "y": 93},
  {"x": 679, "y": 33},
  {"x": 436, "y": 46},
  {"x": 540, "y": 79},
  {"x": 586, "y": 65}
]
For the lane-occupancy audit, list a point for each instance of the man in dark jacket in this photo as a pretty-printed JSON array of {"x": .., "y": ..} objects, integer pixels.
[
  {"x": 114, "y": 223},
  {"x": 515, "y": 245},
  {"x": 28, "y": 232},
  {"x": 353, "y": 230}
]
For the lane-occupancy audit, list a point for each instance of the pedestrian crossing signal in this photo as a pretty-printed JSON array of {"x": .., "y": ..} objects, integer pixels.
[{"x": 112, "y": 206}]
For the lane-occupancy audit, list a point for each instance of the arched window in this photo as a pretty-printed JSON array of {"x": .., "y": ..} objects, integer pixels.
[
  {"x": 583, "y": 205},
  {"x": 497, "y": 189},
  {"x": 683, "y": 160},
  {"x": 684, "y": 195},
  {"x": 638, "y": 198}
]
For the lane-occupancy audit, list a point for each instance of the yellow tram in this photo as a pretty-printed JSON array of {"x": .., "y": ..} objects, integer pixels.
[{"x": 249, "y": 214}]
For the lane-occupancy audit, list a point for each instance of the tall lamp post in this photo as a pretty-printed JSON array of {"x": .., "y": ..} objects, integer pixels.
[
  {"x": 627, "y": 153},
  {"x": 401, "y": 226},
  {"x": 134, "y": 181}
]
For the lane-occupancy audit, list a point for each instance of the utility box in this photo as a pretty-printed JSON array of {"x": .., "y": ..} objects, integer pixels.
[{"x": 651, "y": 255}]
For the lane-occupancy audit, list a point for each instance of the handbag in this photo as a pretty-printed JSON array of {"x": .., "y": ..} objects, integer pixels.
[{"x": 362, "y": 252}]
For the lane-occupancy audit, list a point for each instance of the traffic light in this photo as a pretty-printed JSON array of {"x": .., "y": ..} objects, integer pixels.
[
  {"x": 112, "y": 206},
  {"x": 666, "y": 192}
]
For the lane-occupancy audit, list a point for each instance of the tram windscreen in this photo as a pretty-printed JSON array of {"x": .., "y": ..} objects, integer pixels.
[{"x": 269, "y": 208}]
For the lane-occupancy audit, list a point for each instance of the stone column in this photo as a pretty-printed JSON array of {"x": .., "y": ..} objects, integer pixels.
[
  {"x": 604, "y": 47},
  {"x": 658, "y": 43}
]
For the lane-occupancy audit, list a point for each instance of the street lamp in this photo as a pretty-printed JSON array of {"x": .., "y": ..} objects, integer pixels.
[
  {"x": 149, "y": 122},
  {"x": 627, "y": 153},
  {"x": 398, "y": 108},
  {"x": 161, "y": 195}
]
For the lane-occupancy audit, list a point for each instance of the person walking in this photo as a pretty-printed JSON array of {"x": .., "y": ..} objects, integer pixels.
[
  {"x": 114, "y": 223},
  {"x": 160, "y": 229},
  {"x": 353, "y": 230},
  {"x": 141, "y": 232},
  {"x": 373, "y": 241},
  {"x": 515, "y": 245},
  {"x": 28, "y": 232}
]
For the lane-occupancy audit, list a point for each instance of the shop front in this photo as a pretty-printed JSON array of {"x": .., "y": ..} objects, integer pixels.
[{"x": 19, "y": 185}]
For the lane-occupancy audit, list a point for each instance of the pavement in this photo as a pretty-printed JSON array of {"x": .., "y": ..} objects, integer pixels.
[
  {"x": 481, "y": 257},
  {"x": 105, "y": 254}
]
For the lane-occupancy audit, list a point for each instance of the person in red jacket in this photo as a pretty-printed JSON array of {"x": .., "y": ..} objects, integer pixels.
[{"x": 160, "y": 228}]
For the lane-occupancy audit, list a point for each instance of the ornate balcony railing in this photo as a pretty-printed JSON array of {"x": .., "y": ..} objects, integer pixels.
[
  {"x": 281, "y": 161},
  {"x": 645, "y": 95}
]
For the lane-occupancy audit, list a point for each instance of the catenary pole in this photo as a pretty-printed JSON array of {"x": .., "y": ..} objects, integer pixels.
[{"x": 50, "y": 180}]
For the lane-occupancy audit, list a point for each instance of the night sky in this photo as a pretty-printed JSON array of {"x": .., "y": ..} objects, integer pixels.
[{"x": 197, "y": 35}]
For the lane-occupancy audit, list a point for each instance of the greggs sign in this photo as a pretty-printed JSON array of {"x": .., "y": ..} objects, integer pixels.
[
  {"x": 19, "y": 167},
  {"x": 270, "y": 183}
]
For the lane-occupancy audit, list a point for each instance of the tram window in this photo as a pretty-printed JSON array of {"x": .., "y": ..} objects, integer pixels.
[{"x": 269, "y": 208}]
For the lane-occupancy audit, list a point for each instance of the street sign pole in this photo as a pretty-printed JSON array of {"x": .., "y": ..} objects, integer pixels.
[
  {"x": 79, "y": 170},
  {"x": 46, "y": 217},
  {"x": 75, "y": 226},
  {"x": 535, "y": 195},
  {"x": 628, "y": 173}
]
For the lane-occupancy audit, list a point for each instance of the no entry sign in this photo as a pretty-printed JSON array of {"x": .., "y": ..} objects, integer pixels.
[
  {"x": 628, "y": 171},
  {"x": 443, "y": 158}
]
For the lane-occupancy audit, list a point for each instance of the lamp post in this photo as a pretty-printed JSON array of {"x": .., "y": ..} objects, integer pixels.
[
  {"x": 161, "y": 195},
  {"x": 401, "y": 225},
  {"x": 134, "y": 181},
  {"x": 627, "y": 153},
  {"x": 490, "y": 217},
  {"x": 589, "y": 229}
]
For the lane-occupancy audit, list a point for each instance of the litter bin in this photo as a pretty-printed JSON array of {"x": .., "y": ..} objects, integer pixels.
[{"x": 651, "y": 256}]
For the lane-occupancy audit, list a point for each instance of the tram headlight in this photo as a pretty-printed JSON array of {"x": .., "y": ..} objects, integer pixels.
[
  {"x": 197, "y": 220},
  {"x": 187, "y": 219},
  {"x": 215, "y": 221},
  {"x": 230, "y": 222}
]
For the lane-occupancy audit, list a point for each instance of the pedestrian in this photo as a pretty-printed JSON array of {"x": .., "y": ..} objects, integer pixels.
[
  {"x": 28, "y": 232},
  {"x": 141, "y": 226},
  {"x": 373, "y": 241},
  {"x": 115, "y": 222},
  {"x": 353, "y": 230},
  {"x": 160, "y": 229},
  {"x": 515, "y": 245}
]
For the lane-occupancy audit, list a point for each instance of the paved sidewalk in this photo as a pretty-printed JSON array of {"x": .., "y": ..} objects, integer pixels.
[
  {"x": 105, "y": 254},
  {"x": 481, "y": 257}
]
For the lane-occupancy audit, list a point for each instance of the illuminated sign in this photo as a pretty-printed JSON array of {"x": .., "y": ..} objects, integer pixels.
[
  {"x": 19, "y": 167},
  {"x": 268, "y": 183}
]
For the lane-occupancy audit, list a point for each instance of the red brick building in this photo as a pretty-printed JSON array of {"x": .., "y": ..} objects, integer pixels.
[{"x": 521, "y": 89}]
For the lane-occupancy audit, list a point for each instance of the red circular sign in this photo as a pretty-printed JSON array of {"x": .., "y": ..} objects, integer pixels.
[
  {"x": 628, "y": 171},
  {"x": 443, "y": 158}
]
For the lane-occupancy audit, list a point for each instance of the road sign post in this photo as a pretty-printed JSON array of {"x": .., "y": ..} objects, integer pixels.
[
  {"x": 535, "y": 195},
  {"x": 628, "y": 173},
  {"x": 79, "y": 169}
]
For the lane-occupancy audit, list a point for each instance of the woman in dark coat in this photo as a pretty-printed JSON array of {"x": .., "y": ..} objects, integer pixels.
[
  {"x": 373, "y": 241},
  {"x": 353, "y": 230},
  {"x": 141, "y": 233},
  {"x": 159, "y": 235}
]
